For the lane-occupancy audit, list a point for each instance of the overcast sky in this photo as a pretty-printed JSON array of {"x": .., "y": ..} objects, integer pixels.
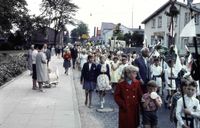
[{"x": 93, "y": 12}]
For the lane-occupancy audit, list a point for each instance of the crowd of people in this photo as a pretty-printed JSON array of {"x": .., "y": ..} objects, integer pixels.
[{"x": 140, "y": 82}]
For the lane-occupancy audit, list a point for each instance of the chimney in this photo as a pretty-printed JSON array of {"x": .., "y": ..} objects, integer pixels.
[{"x": 94, "y": 31}]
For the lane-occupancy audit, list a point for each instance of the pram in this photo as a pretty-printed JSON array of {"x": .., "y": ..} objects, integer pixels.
[{"x": 53, "y": 75}]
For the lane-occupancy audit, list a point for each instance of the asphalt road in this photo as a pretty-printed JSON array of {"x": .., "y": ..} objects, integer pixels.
[{"x": 90, "y": 118}]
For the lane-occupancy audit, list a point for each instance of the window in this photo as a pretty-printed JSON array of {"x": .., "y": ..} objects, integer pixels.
[
  {"x": 152, "y": 40},
  {"x": 153, "y": 23},
  {"x": 196, "y": 18},
  {"x": 175, "y": 21},
  {"x": 187, "y": 17},
  {"x": 159, "y": 21}
]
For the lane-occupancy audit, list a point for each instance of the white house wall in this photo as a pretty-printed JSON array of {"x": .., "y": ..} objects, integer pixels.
[{"x": 149, "y": 31}]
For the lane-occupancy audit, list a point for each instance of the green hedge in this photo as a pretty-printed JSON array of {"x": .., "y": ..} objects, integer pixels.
[{"x": 12, "y": 66}]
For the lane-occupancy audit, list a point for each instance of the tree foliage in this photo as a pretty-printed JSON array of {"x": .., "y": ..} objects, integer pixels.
[
  {"x": 10, "y": 12},
  {"x": 80, "y": 32},
  {"x": 59, "y": 13}
]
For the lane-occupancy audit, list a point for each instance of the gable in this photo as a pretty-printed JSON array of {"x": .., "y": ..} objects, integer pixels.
[{"x": 162, "y": 8}]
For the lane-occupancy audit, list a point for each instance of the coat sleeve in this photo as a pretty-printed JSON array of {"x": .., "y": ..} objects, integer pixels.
[
  {"x": 179, "y": 108},
  {"x": 83, "y": 72},
  {"x": 119, "y": 98}
]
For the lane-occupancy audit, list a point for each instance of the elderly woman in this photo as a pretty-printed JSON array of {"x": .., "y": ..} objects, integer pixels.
[{"x": 128, "y": 97}]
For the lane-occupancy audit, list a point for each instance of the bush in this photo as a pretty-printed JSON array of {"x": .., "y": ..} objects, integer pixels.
[{"x": 12, "y": 67}]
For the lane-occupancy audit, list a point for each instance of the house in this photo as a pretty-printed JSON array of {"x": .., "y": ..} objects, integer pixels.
[
  {"x": 46, "y": 35},
  {"x": 157, "y": 26},
  {"x": 107, "y": 31}
]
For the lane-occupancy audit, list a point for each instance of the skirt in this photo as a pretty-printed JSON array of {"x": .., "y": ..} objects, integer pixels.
[
  {"x": 89, "y": 85},
  {"x": 67, "y": 64},
  {"x": 34, "y": 75}
]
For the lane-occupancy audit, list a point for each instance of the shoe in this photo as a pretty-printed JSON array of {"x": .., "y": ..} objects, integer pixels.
[
  {"x": 90, "y": 106},
  {"x": 101, "y": 105},
  {"x": 34, "y": 88},
  {"x": 41, "y": 90},
  {"x": 85, "y": 102}
]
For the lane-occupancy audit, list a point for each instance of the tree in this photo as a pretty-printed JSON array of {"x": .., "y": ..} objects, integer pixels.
[
  {"x": 117, "y": 32},
  {"x": 127, "y": 38},
  {"x": 74, "y": 35},
  {"x": 10, "y": 11},
  {"x": 137, "y": 39},
  {"x": 59, "y": 12},
  {"x": 81, "y": 32}
]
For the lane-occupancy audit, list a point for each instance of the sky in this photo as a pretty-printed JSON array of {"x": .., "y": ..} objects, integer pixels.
[{"x": 130, "y": 13}]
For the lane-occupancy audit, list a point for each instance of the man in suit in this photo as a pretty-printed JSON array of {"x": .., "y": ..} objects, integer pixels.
[
  {"x": 74, "y": 54},
  {"x": 143, "y": 64}
]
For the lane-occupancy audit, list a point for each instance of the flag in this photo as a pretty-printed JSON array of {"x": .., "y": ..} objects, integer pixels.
[
  {"x": 178, "y": 65},
  {"x": 189, "y": 30}
]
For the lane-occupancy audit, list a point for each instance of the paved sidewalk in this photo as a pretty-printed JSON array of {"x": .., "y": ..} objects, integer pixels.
[{"x": 22, "y": 107}]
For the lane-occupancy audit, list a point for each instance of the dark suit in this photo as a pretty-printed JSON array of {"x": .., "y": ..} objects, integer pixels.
[
  {"x": 144, "y": 71},
  {"x": 88, "y": 74},
  {"x": 74, "y": 53}
]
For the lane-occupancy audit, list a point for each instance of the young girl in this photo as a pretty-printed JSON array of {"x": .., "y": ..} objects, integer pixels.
[
  {"x": 67, "y": 60},
  {"x": 150, "y": 104},
  {"x": 88, "y": 79},
  {"x": 157, "y": 73},
  {"x": 114, "y": 73},
  {"x": 103, "y": 79}
]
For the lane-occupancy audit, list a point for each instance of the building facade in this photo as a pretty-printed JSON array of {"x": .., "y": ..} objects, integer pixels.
[
  {"x": 157, "y": 26},
  {"x": 107, "y": 31}
]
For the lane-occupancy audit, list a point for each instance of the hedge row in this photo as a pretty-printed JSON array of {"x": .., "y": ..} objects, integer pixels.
[{"x": 12, "y": 67}]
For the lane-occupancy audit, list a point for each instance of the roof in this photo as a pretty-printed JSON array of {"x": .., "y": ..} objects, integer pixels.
[
  {"x": 161, "y": 9},
  {"x": 107, "y": 26}
]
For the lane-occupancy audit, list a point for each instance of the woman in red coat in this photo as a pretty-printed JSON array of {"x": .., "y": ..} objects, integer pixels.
[{"x": 128, "y": 97}]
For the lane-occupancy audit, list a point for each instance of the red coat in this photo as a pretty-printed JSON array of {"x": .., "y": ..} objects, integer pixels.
[{"x": 128, "y": 98}]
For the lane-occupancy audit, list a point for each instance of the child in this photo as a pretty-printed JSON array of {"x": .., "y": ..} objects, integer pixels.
[
  {"x": 191, "y": 108},
  {"x": 67, "y": 60},
  {"x": 103, "y": 79},
  {"x": 150, "y": 105},
  {"x": 157, "y": 73},
  {"x": 174, "y": 99},
  {"x": 88, "y": 79}
]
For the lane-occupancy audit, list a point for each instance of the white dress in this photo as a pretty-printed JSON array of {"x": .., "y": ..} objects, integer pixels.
[
  {"x": 156, "y": 71},
  {"x": 83, "y": 59},
  {"x": 114, "y": 73},
  {"x": 41, "y": 67},
  {"x": 103, "y": 80},
  {"x": 170, "y": 81}
]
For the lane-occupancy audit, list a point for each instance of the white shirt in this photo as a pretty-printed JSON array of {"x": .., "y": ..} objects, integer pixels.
[
  {"x": 190, "y": 103},
  {"x": 156, "y": 71},
  {"x": 34, "y": 54},
  {"x": 90, "y": 64}
]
